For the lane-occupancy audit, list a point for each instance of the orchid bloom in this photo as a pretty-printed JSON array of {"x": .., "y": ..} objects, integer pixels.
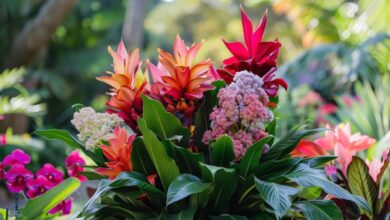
[
  {"x": 255, "y": 56},
  {"x": 51, "y": 173},
  {"x": 74, "y": 163},
  {"x": 16, "y": 157},
  {"x": 178, "y": 81},
  {"x": 38, "y": 186},
  {"x": 128, "y": 84},
  {"x": 17, "y": 177},
  {"x": 63, "y": 207},
  {"x": 2, "y": 170},
  {"x": 118, "y": 152}
]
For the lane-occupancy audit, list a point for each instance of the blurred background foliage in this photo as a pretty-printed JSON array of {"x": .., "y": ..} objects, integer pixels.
[{"x": 332, "y": 50}]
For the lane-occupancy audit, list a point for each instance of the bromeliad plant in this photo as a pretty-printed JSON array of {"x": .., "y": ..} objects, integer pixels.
[{"x": 194, "y": 142}]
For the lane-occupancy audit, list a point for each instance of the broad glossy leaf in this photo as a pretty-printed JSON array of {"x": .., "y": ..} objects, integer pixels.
[
  {"x": 187, "y": 161},
  {"x": 274, "y": 169},
  {"x": 164, "y": 124},
  {"x": 222, "y": 151},
  {"x": 228, "y": 217},
  {"x": 165, "y": 166},
  {"x": 66, "y": 137},
  {"x": 92, "y": 175},
  {"x": 252, "y": 156},
  {"x": 276, "y": 196},
  {"x": 140, "y": 159},
  {"x": 306, "y": 176},
  {"x": 287, "y": 143},
  {"x": 224, "y": 181},
  {"x": 184, "y": 186},
  {"x": 360, "y": 182},
  {"x": 320, "y": 209},
  {"x": 135, "y": 179},
  {"x": 187, "y": 214},
  {"x": 318, "y": 161},
  {"x": 39, "y": 206}
]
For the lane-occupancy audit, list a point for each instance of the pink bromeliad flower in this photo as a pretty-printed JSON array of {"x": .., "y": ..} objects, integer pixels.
[
  {"x": 17, "y": 177},
  {"x": 17, "y": 157},
  {"x": 51, "y": 173},
  {"x": 255, "y": 56},
  {"x": 3, "y": 139},
  {"x": 63, "y": 207},
  {"x": 74, "y": 163},
  {"x": 38, "y": 186},
  {"x": 340, "y": 140}
]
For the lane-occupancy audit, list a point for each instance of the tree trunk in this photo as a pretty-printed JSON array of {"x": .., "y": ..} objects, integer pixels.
[
  {"x": 36, "y": 34},
  {"x": 133, "y": 25}
]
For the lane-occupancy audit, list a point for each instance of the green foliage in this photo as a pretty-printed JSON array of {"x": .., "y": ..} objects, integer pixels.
[
  {"x": 222, "y": 151},
  {"x": 38, "y": 207},
  {"x": 320, "y": 209}
]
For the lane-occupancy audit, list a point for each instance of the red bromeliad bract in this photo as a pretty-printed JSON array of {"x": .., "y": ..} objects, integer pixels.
[{"x": 255, "y": 56}]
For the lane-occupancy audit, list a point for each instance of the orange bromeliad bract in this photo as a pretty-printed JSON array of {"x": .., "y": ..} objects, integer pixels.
[
  {"x": 128, "y": 84},
  {"x": 118, "y": 152},
  {"x": 178, "y": 82}
]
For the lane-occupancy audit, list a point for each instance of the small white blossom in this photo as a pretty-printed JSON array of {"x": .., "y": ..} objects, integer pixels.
[{"x": 94, "y": 127}]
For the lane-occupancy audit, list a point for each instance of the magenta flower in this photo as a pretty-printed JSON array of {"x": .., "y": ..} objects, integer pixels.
[
  {"x": 17, "y": 157},
  {"x": 38, "y": 186},
  {"x": 74, "y": 163},
  {"x": 64, "y": 207},
  {"x": 3, "y": 139},
  {"x": 51, "y": 173},
  {"x": 2, "y": 170},
  {"x": 17, "y": 177}
]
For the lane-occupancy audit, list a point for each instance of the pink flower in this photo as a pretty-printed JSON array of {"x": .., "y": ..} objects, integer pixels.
[
  {"x": 17, "y": 177},
  {"x": 3, "y": 139},
  {"x": 51, "y": 173},
  {"x": 374, "y": 168},
  {"x": 74, "y": 163},
  {"x": 38, "y": 186},
  {"x": 17, "y": 157},
  {"x": 64, "y": 207},
  {"x": 311, "y": 98},
  {"x": 344, "y": 144},
  {"x": 331, "y": 171},
  {"x": 2, "y": 170}
]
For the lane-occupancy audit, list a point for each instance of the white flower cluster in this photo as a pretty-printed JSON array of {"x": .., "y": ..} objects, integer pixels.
[{"x": 94, "y": 127}]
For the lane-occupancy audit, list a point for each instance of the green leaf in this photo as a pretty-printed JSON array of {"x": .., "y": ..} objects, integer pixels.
[
  {"x": 77, "y": 107},
  {"x": 225, "y": 183},
  {"x": 276, "y": 196},
  {"x": 222, "y": 151},
  {"x": 39, "y": 206},
  {"x": 310, "y": 193},
  {"x": 140, "y": 159},
  {"x": 135, "y": 179},
  {"x": 187, "y": 161},
  {"x": 66, "y": 137},
  {"x": 164, "y": 124},
  {"x": 306, "y": 176},
  {"x": 187, "y": 214},
  {"x": 287, "y": 143},
  {"x": 320, "y": 209},
  {"x": 228, "y": 217},
  {"x": 360, "y": 182},
  {"x": 165, "y": 166},
  {"x": 3, "y": 214},
  {"x": 202, "y": 120},
  {"x": 314, "y": 162},
  {"x": 274, "y": 169},
  {"x": 184, "y": 186},
  {"x": 92, "y": 175},
  {"x": 252, "y": 157}
]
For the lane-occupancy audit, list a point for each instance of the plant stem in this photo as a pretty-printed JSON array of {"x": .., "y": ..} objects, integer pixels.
[{"x": 16, "y": 204}]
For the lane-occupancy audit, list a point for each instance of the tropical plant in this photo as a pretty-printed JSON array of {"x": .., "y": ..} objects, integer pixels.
[{"x": 201, "y": 148}]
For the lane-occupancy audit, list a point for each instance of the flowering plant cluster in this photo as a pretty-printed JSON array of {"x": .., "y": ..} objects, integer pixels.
[
  {"x": 19, "y": 179},
  {"x": 186, "y": 140}
]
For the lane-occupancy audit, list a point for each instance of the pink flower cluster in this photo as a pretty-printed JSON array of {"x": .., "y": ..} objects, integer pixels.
[
  {"x": 241, "y": 113},
  {"x": 20, "y": 179}
]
